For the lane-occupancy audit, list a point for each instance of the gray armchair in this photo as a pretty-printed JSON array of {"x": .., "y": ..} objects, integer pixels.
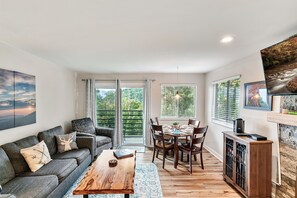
[{"x": 102, "y": 137}]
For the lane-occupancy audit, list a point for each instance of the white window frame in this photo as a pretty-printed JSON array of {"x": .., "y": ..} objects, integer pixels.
[
  {"x": 175, "y": 85},
  {"x": 224, "y": 123}
]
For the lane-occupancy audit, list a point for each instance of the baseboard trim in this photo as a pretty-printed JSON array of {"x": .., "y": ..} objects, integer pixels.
[{"x": 214, "y": 153}]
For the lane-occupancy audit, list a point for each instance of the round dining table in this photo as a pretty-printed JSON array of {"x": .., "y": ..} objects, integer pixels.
[{"x": 175, "y": 134}]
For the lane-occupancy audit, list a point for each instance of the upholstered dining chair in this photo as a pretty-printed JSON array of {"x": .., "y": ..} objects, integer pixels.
[
  {"x": 159, "y": 143},
  {"x": 195, "y": 146}
]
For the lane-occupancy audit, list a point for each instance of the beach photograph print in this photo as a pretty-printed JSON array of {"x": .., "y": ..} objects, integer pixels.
[{"x": 17, "y": 99}]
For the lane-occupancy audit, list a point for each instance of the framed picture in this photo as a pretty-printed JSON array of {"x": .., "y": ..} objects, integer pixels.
[
  {"x": 17, "y": 99},
  {"x": 256, "y": 96}
]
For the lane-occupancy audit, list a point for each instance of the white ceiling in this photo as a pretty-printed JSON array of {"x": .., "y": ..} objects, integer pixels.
[{"x": 131, "y": 36}]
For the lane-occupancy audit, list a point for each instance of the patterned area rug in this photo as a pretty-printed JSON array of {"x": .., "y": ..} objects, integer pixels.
[{"x": 146, "y": 184}]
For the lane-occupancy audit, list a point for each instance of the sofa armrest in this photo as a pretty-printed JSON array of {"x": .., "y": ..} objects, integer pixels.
[
  {"x": 87, "y": 142},
  {"x": 109, "y": 132}
]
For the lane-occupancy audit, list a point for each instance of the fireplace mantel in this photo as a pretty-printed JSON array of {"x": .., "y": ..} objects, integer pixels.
[{"x": 282, "y": 118}]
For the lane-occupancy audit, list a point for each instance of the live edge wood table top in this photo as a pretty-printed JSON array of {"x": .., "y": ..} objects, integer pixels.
[{"x": 102, "y": 179}]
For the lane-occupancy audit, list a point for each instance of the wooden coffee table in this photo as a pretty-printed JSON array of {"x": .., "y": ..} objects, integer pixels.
[{"x": 102, "y": 179}]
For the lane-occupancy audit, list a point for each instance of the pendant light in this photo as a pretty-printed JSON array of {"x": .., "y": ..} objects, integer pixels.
[{"x": 177, "y": 96}]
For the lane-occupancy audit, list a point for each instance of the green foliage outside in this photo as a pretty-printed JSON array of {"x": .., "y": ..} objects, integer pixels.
[
  {"x": 184, "y": 107},
  {"x": 105, "y": 107},
  {"x": 132, "y": 110},
  {"x": 227, "y": 100}
]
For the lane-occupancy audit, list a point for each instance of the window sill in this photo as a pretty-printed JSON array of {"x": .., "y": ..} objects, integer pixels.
[
  {"x": 174, "y": 119},
  {"x": 224, "y": 124}
]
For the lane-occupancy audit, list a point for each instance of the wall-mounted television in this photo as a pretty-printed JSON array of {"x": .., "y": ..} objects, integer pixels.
[{"x": 280, "y": 67}]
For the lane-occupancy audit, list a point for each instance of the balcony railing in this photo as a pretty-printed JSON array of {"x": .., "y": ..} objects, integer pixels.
[{"x": 132, "y": 121}]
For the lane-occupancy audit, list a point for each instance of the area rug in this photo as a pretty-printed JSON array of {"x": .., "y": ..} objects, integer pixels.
[
  {"x": 146, "y": 184},
  {"x": 139, "y": 149}
]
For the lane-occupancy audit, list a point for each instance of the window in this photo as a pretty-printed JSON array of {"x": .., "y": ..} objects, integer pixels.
[
  {"x": 226, "y": 100},
  {"x": 183, "y": 107}
]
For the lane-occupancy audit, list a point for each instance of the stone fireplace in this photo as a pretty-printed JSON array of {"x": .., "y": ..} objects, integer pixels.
[{"x": 287, "y": 135}]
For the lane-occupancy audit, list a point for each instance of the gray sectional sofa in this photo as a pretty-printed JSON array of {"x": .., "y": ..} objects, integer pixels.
[{"x": 53, "y": 179}]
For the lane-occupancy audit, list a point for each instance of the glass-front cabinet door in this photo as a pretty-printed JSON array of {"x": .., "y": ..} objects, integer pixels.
[
  {"x": 241, "y": 166},
  {"x": 236, "y": 162},
  {"x": 229, "y": 158}
]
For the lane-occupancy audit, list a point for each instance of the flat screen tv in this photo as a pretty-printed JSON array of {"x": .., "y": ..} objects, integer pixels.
[{"x": 280, "y": 67}]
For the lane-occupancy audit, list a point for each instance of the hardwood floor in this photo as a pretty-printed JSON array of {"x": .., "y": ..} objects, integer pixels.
[{"x": 202, "y": 183}]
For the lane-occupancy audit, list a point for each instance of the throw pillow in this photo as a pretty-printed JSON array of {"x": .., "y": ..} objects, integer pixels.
[
  {"x": 36, "y": 156},
  {"x": 66, "y": 142}
]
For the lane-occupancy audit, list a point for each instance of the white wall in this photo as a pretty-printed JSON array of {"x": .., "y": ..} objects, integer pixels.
[
  {"x": 55, "y": 88},
  {"x": 251, "y": 70},
  {"x": 197, "y": 79}
]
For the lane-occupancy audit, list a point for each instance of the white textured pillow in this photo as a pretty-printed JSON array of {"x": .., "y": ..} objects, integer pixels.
[{"x": 36, "y": 156}]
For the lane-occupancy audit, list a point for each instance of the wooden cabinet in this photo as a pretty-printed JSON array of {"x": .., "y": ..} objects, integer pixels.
[{"x": 247, "y": 165}]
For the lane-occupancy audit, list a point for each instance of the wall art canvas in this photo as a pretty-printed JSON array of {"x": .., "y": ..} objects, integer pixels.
[
  {"x": 280, "y": 67},
  {"x": 17, "y": 99},
  {"x": 256, "y": 96}
]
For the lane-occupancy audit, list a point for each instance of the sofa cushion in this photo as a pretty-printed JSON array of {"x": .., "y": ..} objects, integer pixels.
[
  {"x": 37, "y": 187},
  {"x": 49, "y": 138},
  {"x": 80, "y": 155},
  {"x": 6, "y": 169},
  {"x": 13, "y": 152},
  {"x": 36, "y": 156},
  {"x": 59, "y": 167},
  {"x": 101, "y": 140},
  {"x": 84, "y": 125}
]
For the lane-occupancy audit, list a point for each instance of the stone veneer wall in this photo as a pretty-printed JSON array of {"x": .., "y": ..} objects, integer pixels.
[{"x": 288, "y": 152}]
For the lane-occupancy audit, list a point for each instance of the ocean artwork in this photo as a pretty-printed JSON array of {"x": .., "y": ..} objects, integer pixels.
[{"x": 17, "y": 99}]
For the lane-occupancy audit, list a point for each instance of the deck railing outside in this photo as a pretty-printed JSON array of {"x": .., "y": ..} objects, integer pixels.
[{"x": 132, "y": 121}]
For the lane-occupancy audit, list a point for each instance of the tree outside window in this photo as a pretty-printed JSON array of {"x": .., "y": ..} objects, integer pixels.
[
  {"x": 226, "y": 101},
  {"x": 184, "y": 107}
]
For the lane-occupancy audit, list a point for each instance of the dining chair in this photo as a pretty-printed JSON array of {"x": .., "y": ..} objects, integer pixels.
[
  {"x": 195, "y": 146},
  {"x": 152, "y": 121},
  {"x": 157, "y": 120},
  {"x": 159, "y": 142},
  {"x": 194, "y": 123},
  {"x": 191, "y": 122}
]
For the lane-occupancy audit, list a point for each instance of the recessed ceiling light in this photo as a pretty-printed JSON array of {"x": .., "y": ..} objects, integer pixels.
[{"x": 227, "y": 39}]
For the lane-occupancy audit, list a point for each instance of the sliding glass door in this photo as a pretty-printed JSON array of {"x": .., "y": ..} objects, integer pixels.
[
  {"x": 121, "y": 106},
  {"x": 132, "y": 114},
  {"x": 106, "y": 104}
]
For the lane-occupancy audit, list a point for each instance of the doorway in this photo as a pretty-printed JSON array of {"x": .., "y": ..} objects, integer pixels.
[
  {"x": 132, "y": 115},
  {"x": 121, "y": 106}
]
